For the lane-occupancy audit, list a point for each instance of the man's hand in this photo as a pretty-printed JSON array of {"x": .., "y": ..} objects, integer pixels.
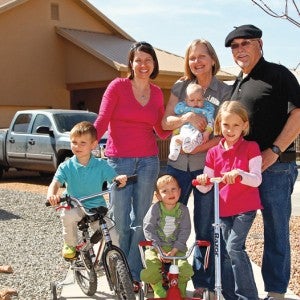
[{"x": 268, "y": 158}]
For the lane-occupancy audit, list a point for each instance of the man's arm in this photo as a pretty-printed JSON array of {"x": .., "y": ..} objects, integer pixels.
[{"x": 288, "y": 134}]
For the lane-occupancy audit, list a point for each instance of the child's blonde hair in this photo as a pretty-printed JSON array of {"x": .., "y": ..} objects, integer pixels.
[
  {"x": 84, "y": 127},
  {"x": 194, "y": 88},
  {"x": 234, "y": 107},
  {"x": 164, "y": 179}
]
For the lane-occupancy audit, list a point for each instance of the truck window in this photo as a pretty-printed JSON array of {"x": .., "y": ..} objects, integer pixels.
[
  {"x": 40, "y": 120},
  {"x": 22, "y": 123},
  {"x": 65, "y": 122}
]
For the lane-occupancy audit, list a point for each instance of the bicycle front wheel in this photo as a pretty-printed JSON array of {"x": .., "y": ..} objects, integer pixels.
[
  {"x": 120, "y": 278},
  {"x": 85, "y": 274}
]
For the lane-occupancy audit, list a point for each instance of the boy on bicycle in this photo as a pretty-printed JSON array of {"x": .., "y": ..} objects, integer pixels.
[
  {"x": 83, "y": 175},
  {"x": 168, "y": 224}
]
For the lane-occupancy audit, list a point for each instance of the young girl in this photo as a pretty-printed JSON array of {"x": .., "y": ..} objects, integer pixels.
[{"x": 238, "y": 162}]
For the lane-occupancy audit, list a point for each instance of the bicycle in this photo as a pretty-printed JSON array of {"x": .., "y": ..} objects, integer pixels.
[
  {"x": 88, "y": 262},
  {"x": 170, "y": 278}
]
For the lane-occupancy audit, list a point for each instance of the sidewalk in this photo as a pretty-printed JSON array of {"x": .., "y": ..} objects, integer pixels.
[{"x": 72, "y": 291}]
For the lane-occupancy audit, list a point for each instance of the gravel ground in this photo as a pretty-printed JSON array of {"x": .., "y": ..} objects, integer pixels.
[
  {"x": 31, "y": 243},
  {"x": 30, "y": 239}
]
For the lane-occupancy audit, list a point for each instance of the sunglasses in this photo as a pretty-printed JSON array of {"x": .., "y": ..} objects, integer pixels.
[{"x": 244, "y": 44}]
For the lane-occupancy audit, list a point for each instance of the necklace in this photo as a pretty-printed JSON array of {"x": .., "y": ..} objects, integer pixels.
[{"x": 142, "y": 95}]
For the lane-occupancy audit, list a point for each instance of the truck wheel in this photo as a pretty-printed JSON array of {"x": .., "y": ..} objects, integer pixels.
[{"x": 1, "y": 172}]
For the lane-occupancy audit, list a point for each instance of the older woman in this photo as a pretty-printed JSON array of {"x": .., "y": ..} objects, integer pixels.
[
  {"x": 201, "y": 66},
  {"x": 132, "y": 109}
]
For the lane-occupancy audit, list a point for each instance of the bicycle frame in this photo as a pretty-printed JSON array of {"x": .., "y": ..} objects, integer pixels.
[{"x": 105, "y": 252}]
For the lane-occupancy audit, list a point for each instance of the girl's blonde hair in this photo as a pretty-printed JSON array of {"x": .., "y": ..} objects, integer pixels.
[{"x": 234, "y": 107}]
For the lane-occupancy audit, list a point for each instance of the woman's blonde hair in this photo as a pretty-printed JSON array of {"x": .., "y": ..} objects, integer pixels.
[
  {"x": 234, "y": 107},
  {"x": 211, "y": 52}
]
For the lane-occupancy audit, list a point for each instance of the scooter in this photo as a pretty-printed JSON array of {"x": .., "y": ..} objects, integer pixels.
[{"x": 217, "y": 235}]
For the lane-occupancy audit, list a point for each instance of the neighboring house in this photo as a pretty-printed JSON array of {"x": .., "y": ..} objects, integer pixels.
[{"x": 63, "y": 54}]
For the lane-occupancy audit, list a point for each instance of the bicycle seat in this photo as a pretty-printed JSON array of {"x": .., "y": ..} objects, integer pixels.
[{"x": 98, "y": 213}]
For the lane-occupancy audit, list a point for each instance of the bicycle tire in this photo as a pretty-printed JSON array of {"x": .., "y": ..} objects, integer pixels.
[
  {"x": 121, "y": 280},
  {"x": 53, "y": 291},
  {"x": 85, "y": 274}
]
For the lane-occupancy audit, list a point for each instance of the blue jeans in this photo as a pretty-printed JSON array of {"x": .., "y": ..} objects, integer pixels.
[
  {"x": 131, "y": 203},
  {"x": 203, "y": 221},
  {"x": 235, "y": 230},
  {"x": 275, "y": 192}
]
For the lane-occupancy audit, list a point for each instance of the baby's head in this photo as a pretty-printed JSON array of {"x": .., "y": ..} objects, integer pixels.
[
  {"x": 167, "y": 190},
  {"x": 194, "y": 95}
]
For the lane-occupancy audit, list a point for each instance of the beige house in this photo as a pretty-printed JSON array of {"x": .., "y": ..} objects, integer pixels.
[{"x": 63, "y": 54}]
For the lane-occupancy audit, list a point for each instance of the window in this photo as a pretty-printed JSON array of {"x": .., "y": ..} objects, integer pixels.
[
  {"x": 40, "y": 120},
  {"x": 54, "y": 11},
  {"x": 22, "y": 123}
]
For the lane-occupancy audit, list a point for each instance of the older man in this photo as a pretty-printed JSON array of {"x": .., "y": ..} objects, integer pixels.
[{"x": 271, "y": 94}]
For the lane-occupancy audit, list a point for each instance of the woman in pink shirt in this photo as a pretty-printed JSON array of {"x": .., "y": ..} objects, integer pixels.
[
  {"x": 131, "y": 110},
  {"x": 231, "y": 159}
]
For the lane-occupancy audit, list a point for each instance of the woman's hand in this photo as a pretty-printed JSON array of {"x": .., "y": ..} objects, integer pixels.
[{"x": 197, "y": 121}]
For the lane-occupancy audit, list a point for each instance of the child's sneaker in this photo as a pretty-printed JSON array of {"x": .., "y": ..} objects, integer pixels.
[{"x": 68, "y": 251}]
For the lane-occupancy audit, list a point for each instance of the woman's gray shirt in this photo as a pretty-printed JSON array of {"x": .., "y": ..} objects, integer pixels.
[{"x": 216, "y": 93}]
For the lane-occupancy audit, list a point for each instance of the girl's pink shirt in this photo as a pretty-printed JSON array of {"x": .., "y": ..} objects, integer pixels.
[
  {"x": 130, "y": 125},
  {"x": 239, "y": 197}
]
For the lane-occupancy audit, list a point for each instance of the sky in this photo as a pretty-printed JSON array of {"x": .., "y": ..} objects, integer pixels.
[{"x": 171, "y": 25}]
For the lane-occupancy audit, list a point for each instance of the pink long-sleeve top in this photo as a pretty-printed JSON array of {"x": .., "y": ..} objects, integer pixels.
[
  {"x": 245, "y": 157},
  {"x": 130, "y": 125}
]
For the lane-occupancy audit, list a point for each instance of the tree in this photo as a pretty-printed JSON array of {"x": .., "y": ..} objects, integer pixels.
[{"x": 290, "y": 15}]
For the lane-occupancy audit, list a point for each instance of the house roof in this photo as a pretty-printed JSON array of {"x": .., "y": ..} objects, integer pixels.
[
  {"x": 86, "y": 5},
  {"x": 113, "y": 50}
]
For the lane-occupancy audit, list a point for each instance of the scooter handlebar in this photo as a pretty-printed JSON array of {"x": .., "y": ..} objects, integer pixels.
[{"x": 195, "y": 182}]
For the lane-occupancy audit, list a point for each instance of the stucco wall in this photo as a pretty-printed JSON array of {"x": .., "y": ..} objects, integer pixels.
[{"x": 33, "y": 57}]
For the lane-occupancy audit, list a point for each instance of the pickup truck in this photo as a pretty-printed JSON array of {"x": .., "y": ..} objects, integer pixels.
[{"x": 39, "y": 139}]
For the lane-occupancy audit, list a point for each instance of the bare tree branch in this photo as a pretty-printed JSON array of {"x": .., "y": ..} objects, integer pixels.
[{"x": 285, "y": 15}]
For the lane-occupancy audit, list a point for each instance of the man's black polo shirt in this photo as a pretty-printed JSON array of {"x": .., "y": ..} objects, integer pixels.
[{"x": 268, "y": 92}]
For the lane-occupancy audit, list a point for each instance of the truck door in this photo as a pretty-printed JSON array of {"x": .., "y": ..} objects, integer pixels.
[
  {"x": 16, "y": 141},
  {"x": 41, "y": 146}
]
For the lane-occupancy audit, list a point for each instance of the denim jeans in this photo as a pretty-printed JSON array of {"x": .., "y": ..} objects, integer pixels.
[
  {"x": 203, "y": 225},
  {"x": 275, "y": 191},
  {"x": 131, "y": 203},
  {"x": 235, "y": 230}
]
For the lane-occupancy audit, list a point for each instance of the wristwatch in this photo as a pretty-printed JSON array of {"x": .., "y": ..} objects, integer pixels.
[{"x": 276, "y": 149}]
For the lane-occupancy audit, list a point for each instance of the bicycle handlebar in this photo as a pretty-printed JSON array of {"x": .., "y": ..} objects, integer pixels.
[
  {"x": 116, "y": 183},
  {"x": 198, "y": 243}
]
